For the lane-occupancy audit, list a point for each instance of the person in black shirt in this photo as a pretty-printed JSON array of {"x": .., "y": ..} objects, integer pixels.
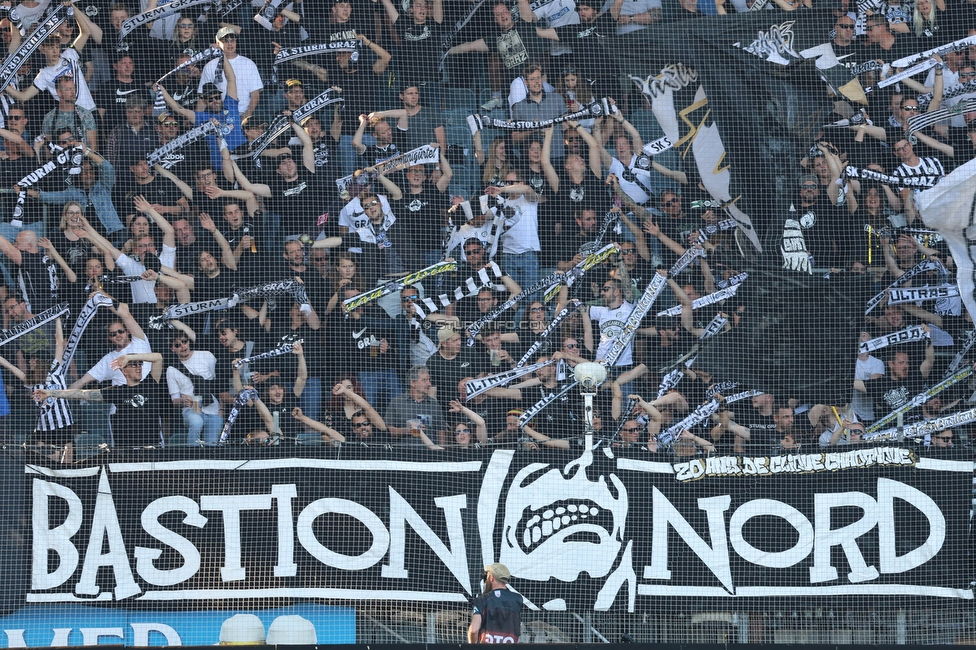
[
  {"x": 419, "y": 54},
  {"x": 900, "y": 384},
  {"x": 138, "y": 402},
  {"x": 421, "y": 209},
  {"x": 592, "y": 40},
  {"x": 297, "y": 195},
  {"x": 497, "y": 616},
  {"x": 37, "y": 276},
  {"x": 386, "y": 146}
]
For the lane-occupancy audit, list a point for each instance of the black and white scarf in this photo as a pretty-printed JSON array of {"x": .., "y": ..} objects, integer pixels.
[
  {"x": 920, "y": 399},
  {"x": 350, "y": 304},
  {"x": 188, "y": 138},
  {"x": 710, "y": 299},
  {"x": 958, "y": 359},
  {"x": 15, "y": 61},
  {"x": 924, "y": 428},
  {"x": 911, "y": 334},
  {"x": 32, "y": 323},
  {"x": 670, "y": 381},
  {"x": 693, "y": 419},
  {"x": 284, "y": 348},
  {"x": 687, "y": 258},
  {"x": 942, "y": 50},
  {"x": 950, "y": 93},
  {"x": 919, "y": 269},
  {"x": 242, "y": 398},
  {"x": 595, "y": 109},
  {"x": 546, "y": 333},
  {"x": 146, "y": 17},
  {"x": 282, "y": 123},
  {"x": 475, "y": 387},
  {"x": 898, "y": 296},
  {"x": 292, "y": 287},
  {"x": 64, "y": 160},
  {"x": 919, "y": 122},
  {"x": 470, "y": 287},
  {"x": 537, "y": 408},
  {"x": 887, "y": 179},
  {"x": 119, "y": 279},
  {"x": 84, "y": 319},
  {"x": 292, "y": 53},
  {"x": 629, "y": 330},
  {"x": 424, "y": 155}
]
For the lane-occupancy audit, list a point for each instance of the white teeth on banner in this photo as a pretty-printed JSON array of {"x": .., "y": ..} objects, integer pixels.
[{"x": 538, "y": 528}]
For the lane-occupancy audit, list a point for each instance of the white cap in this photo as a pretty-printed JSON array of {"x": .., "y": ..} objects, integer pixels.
[
  {"x": 291, "y": 630},
  {"x": 242, "y": 629}
]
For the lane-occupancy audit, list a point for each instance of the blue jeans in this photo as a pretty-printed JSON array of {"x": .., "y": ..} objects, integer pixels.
[
  {"x": 209, "y": 425},
  {"x": 379, "y": 382},
  {"x": 311, "y": 399},
  {"x": 524, "y": 269}
]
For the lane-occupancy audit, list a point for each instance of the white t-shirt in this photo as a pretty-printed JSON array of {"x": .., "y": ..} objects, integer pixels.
[
  {"x": 66, "y": 65},
  {"x": 861, "y": 403},
  {"x": 202, "y": 364},
  {"x": 144, "y": 290},
  {"x": 522, "y": 230},
  {"x": 634, "y": 190},
  {"x": 248, "y": 80},
  {"x": 558, "y": 14},
  {"x": 352, "y": 216},
  {"x": 611, "y": 322},
  {"x": 102, "y": 371}
]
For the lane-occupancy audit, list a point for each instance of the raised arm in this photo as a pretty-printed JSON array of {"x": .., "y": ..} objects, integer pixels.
[
  {"x": 155, "y": 358},
  {"x": 368, "y": 410},
  {"x": 143, "y": 206},
  {"x": 69, "y": 273},
  {"x": 551, "y": 176},
  {"x": 226, "y": 254},
  {"x": 185, "y": 189},
  {"x": 175, "y": 106},
  {"x": 259, "y": 189},
  {"x": 383, "y": 57},
  {"x": 334, "y": 436}
]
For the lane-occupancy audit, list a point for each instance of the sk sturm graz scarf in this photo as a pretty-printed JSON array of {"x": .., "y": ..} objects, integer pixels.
[
  {"x": 292, "y": 53},
  {"x": 908, "y": 335},
  {"x": 925, "y": 428},
  {"x": 13, "y": 63},
  {"x": 282, "y": 123},
  {"x": 161, "y": 11},
  {"x": 191, "y": 136},
  {"x": 65, "y": 160},
  {"x": 917, "y": 294},
  {"x": 546, "y": 333},
  {"x": 85, "y": 317},
  {"x": 242, "y": 398},
  {"x": 45, "y": 317},
  {"x": 292, "y": 287}
]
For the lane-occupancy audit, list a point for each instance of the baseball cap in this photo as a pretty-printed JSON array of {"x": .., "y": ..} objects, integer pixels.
[
  {"x": 210, "y": 89},
  {"x": 224, "y": 32},
  {"x": 445, "y": 334},
  {"x": 808, "y": 178},
  {"x": 499, "y": 571},
  {"x": 284, "y": 156},
  {"x": 294, "y": 82}
]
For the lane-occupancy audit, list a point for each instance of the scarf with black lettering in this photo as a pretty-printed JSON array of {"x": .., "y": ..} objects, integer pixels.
[
  {"x": 595, "y": 109},
  {"x": 922, "y": 267},
  {"x": 710, "y": 299},
  {"x": 284, "y": 348},
  {"x": 923, "y": 120},
  {"x": 908, "y": 335},
  {"x": 924, "y": 428},
  {"x": 292, "y": 53},
  {"x": 887, "y": 179},
  {"x": 546, "y": 333},
  {"x": 204, "y": 56},
  {"x": 64, "y": 160},
  {"x": 146, "y": 17},
  {"x": 292, "y": 287},
  {"x": 15, "y": 61},
  {"x": 951, "y": 93},
  {"x": 670, "y": 381},
  {"x": 188, "y": 138},
  {"x": 282, "y": 122},
  {"x": 898, "y": 296},
  {"x": 958, "y": 359},
  {"x": 242, "y": 398},
  {"x": 475, "y": 387},
  {"x": 626, "y": 335},
  {"x": 84, "y": 319},
  {"x": 691, "y": 420},
  {"x": 470, "y": 287},
  {"x": 424, "y": 155},
  {"x": 32, "y": 323}
]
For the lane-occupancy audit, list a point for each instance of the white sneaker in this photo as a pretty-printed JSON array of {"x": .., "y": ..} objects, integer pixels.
[{"x": 493, "y": 103}]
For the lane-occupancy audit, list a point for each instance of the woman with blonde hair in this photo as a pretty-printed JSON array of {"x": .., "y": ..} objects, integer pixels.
[
  {"x": 72, "y": 241},
  {"x": 496, "y": 167}
]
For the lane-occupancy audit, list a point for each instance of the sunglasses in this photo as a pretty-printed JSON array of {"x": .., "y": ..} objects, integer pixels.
[
  {"x": 606, "y": 289},
  {"x": 631, "y": 429},
  {"x": 170, "y": 123},
  {"x": 116, "y": 332},
  {"x": 410, "y": 298},
  {"x": 372, "y": 203},
  {"x": 23, "y": 117},
  {"x": 809, "y": 186},
  {"x": 671, "y": 202},
  {"x": 475, "y": 251},
  {"x": 627, "y": 251},
  {"x": 911, "y": 108},
  {"x": 844, "y": 25},
  {"x": 571, "y": 346},
  {"x": 360, "y": 425}
]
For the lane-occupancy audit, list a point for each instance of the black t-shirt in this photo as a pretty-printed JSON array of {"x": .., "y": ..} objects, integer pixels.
[
  {"x": 38, "y": 280},
  {"x": 185, "y": 161},
  {"x": 445, "y": 374},
  {"x": 418, "y": 56},
  {"x": 137, "y": 409},
  {"x": 358, "y": 92},
  {"x": 299, "y": 202},
  {"x": 374, "y": 154},
  {"x": 421, "y": 215},
  {"x": 113, "y": 97},
  {"x": 591, "y": 193},
  {"x": 516, "y": 47},
  {"x": 592, "y": 45},
  {"x": 160, "y": 190},
  {"x": 888, "y": 394},
  {"x": 501, "y": 616}
]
